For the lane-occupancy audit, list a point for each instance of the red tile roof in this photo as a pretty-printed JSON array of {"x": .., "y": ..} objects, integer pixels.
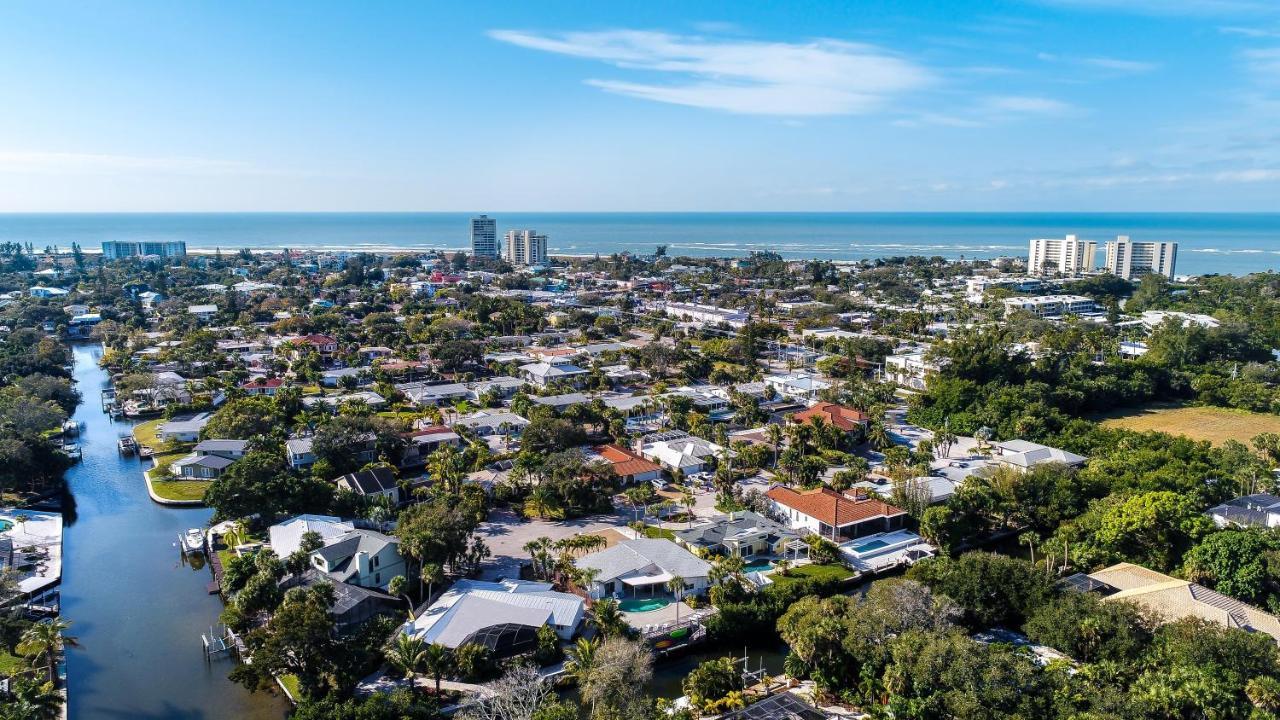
[
  {"x": 625, "y": 463},
  {"x": 847, "y": 419},
  {"x": 263, "y": 383},
  {"x": 832, "y": 508}
]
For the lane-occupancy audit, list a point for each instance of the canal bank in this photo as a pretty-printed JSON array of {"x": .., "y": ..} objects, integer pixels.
[{"x": 136, "y": 607}]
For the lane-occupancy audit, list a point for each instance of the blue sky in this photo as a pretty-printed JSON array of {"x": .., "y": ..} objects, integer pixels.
[{"x": 853, "y": 105}]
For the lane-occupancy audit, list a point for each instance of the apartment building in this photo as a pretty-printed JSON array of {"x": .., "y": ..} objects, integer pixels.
[
  {"x": 484, "y": 237},
  {"x": 1128, "y": 259},
  {"x": 1051, "y": 306},
  {"x": 1061, "y": 256},
  {"x": 117, "y": 249},
  {"x": 526, "y": 247}
]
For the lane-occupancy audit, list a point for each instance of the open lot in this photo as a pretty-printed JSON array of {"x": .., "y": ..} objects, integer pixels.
[{"x": 1217, "y": 425}]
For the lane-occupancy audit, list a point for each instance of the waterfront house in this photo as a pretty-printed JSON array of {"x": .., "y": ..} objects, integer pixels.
[
  {"x": 503, "y": 616},
  {"x": 832, "y": 515},
  {"x": 185, "y": 428},
  {"x": 209, "y": 459},
  {"x": 366, "y": 558},
  {"x": 645, "y": 563},
  {"x": 352, "y": 605},
  {"x": 286, "y": 537}
]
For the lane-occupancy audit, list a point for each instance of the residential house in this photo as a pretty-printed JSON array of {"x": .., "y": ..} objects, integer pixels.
[
  {"x": 503, "y": 616},
  {"x": 209, "y": 459},
  {"x": 366, "y": 558},
  {"x": 1172, "y": 599},
  {"x": 378, "y": 482},
  {"x": 645, "y": 563},
  {"x": 847, "y": 420},
  {"x": 184, "y": 428},
  {"x": 676, "y": 450},
  {"x": 741, "y": 534},
  {"x": 543, "y": 374},
  {"x": 1261, "y": 510},
  {"x": 629, "y": 467},
  {"x": 333, "y": 402},
  {"x": 424, "y": 441},
  {"x": 286, "y": 537},
  {"x": 835, "y": 516},
  {"x": 352, "y": 605},
  {"x": 1024, "y": 455},
  {"x": 203, "y": 313},
  {"x": 797, "y": 386},
  {"x": 299, "y": 452},
  {"x": 267, "y": 386},
  {"x": 910, "y": 369}
]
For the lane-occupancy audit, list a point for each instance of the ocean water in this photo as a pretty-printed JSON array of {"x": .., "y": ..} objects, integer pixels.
[{"x": 1233, "y": 243}]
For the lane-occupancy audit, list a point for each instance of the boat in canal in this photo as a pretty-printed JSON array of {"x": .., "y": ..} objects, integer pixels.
[
  {"x": 192, "y": 541},
  {"x": 126, "y": 445}
]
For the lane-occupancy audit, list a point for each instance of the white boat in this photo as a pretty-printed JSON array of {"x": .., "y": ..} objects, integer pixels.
[
  {"x": 193, "y": 541},
  {"x": 71, "y": 428}
]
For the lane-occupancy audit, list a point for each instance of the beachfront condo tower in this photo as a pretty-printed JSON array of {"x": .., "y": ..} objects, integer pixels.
[
  {"x": 1061, "y": 256},
  {"x": 1129, "y": 259},
  {"x": 117, "y": 249},
  {"x": 526, "y": 247},
  {"x": 484, "y": 237}
]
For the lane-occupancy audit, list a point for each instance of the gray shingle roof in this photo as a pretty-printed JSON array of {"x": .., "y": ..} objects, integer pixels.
[{"x": 630, "y": 556}]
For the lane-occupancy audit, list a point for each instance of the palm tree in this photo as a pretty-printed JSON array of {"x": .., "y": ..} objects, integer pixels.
[
  {"x": 688, "y": 500},
  {"x": 398, "y": 587},
  {"x": 676, "y": 586},
  {"x": 607, "y": 617},
  {"x": 431, "y": 574},
  {"x": 582, "y": 660},
  {"x": 407, "y": 655},
  {"x": 541, "y": 502},
  {"x": 878, "y": 435},
  {"x": 775, "y": 439},
  {"x": 45, "y": 640},
  {"x": 438, "y": 660}
]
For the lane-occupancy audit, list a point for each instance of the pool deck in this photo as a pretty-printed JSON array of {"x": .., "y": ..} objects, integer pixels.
[{"x": 656, "y": 617}]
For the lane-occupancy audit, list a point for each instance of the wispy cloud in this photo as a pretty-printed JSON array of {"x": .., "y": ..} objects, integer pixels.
[
  {"x": 993, "y": 110},
  {"x": 1116, "y": 65},
  {"x": 1197, "y": 8},
  {"x": 69, "y": 163},
  {"x": 822, "y": 77},
  {"x": 1250, "y": 32}
]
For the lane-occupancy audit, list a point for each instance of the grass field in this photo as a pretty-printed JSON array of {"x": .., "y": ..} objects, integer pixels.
[
  {"x": 184, "y": 490},
  {"x": 820, "y": 572},
  {"x": 1215, "y": 424}
]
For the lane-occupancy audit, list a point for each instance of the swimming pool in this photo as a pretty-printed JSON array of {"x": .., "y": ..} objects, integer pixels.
[
  {"x": 641, "y": 605},
  {"x": 5, "y": 524},
  {"x": 758, "y": 566},
  {"x": 869, "y": 546}
]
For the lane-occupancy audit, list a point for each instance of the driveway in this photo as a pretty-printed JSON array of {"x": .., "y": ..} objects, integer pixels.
[{"x": 506, "y": 535}]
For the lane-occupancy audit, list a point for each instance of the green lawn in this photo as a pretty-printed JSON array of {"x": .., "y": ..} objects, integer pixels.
[
  {"x": 290, "y": 683},
  {"x": 651, "y": 531},
  {"x": 10, "y": 664},
  {"x": 184, "y": 490},
  {"x": 819, "y": 572},
  {"x": 147, "y": 433}
]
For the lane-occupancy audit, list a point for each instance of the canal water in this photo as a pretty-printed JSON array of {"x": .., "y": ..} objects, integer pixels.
[{"x": 135, "y": 606}]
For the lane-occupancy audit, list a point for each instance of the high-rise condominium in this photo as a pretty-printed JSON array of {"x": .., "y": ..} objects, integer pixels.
[
  {"x": 484, "y": 237},
  {"x": 526, "y": 247},
  {"x": 1065, "y": 256},
  {"x": 1129, "y": 259},
  {"x": 117, "y": 249}
]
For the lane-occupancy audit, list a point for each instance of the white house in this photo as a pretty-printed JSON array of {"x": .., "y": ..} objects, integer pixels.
[
  {"x": 645, "y": 563},
  {"x": 470, "y": 607},
  {"x": 678, "y": 450},
  {"x": 286, "y": 537},
  {"x": 203, "y": 313},
  {"x": 801, "y": 387},
  {"x": 543, "y": 374},
  {"x": 1261, "y": 510},
  {"x": 909, "y": 369}
]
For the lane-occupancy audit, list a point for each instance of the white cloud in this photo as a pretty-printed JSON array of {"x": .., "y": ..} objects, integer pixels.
[
  {"x": 1118, "y": 65},
  {"x": 1024, "y": 105},
  {"x": 69, "y": 163},
  {"x": 822, "y": 77},
  {"x": 1251, "y": 32},
  {"x": 1170, "y": 7}
]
